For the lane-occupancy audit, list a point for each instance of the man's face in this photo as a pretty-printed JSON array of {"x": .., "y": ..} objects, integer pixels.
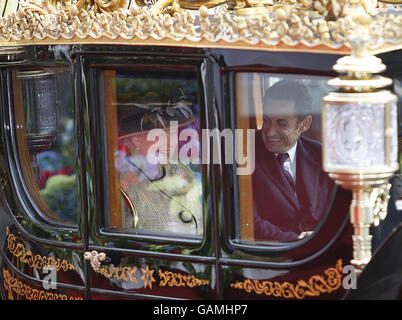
[{"x": 281, "y": 127}]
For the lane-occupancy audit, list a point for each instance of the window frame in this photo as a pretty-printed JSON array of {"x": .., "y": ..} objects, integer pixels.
[
  {"x": 260, "y": 248},
  {"x": 31, "y": 210},
  {"x": 95, "y": 66}
]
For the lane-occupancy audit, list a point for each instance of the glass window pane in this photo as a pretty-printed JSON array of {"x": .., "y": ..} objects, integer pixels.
[
  {"x": 286, "y": 196},
  {"x": 43, "y": 105},
  {"x": 153, "y": 129}
]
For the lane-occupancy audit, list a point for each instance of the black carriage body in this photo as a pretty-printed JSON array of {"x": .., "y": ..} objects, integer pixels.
[{"x": 215, "y": 264}]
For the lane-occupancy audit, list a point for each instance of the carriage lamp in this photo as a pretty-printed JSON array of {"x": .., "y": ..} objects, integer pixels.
[
  {"x": 41, "y": 114},
  {"x": 360, "y": 141}
]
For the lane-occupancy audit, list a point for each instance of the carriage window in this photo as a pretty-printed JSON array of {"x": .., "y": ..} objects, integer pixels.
[
  {"x": 153, "y": 126},
  {"x": 287, "y": 194},
  {"x": 43, "y": 106}
]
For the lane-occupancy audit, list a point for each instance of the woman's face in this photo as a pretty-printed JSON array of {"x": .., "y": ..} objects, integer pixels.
[{"x": 141, "y": 143}]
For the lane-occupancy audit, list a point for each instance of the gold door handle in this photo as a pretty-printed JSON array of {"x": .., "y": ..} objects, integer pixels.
[{"x": 95, "y": 258}]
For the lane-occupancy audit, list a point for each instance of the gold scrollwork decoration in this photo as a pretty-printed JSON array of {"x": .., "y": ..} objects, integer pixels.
[
  {"x": 98, "y": 6},
  {"x": 174, "y": 279},
  {"x": 304, "y": 27},
  {"x": 167, "y": 278},
  {"x": 391, "y": 1},
  {"x": 380, "y": 197},
  {"x": 119, "y": 273},
  {"x": 13, "y": 285},
  {"x": 313, "y": 287},
  {"x": 161, "y": 6},
  {"x": 18, "y": 250}
]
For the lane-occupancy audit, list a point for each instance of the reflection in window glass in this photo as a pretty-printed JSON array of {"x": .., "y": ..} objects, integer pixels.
[
  {"x": 45, "y": 134},
  {"x": 287, "y": 195},
  {"x": 153, "y": 125}
]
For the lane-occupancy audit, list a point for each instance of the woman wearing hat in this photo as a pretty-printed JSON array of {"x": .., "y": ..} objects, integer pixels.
[{"x": 164, "y": 196}]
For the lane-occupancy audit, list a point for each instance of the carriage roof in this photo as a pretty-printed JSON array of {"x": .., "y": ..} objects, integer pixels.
[{"x": 305, "y": 26}]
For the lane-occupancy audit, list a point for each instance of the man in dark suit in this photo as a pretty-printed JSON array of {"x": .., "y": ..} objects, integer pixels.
[{"x": 291, "y": 192}]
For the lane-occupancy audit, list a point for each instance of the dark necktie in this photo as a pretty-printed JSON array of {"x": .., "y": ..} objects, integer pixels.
[{"x": 282, "y": 157}]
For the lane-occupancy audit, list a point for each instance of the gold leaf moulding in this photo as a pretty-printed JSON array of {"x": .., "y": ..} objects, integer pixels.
[
  {"x": 14, "y": 286},
  {"x": 18, "y": 250},
  {"x": 313, "y": 287},
  {"x": 281, "y": 29},
  {"x": 166, "y": 278}
]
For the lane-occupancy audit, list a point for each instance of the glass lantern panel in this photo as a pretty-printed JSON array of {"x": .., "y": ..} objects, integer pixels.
[{"x": 355, "y": 136}]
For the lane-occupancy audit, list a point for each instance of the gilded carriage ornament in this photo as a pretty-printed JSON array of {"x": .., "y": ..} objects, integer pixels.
[
  {"x": 166, "y": 278},
  {"x": 315, "y": 286},
  {"x": 175, "y": 279},
  {"x": 15, "y": 286},
  {"x": 95, "y": 259},
  {"x": 253, "y": 6},
  {"x": 303, "y": 25},
  {"x": 72, "y": 7},
  {"x": 18, "y": 250},
  {"x": 147, "y": 277}
]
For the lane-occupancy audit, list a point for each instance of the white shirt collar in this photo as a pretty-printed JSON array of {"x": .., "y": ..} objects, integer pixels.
[{"x": 292, "y": 153}]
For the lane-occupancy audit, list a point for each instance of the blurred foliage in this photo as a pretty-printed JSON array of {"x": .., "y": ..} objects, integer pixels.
[{"x": 60, "y": 195}]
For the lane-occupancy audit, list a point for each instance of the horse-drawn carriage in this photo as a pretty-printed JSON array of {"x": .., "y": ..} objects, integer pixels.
[{"x": 88, "y": 88}]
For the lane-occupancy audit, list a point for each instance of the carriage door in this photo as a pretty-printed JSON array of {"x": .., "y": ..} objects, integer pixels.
[{"x": 41, "y": 216}]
